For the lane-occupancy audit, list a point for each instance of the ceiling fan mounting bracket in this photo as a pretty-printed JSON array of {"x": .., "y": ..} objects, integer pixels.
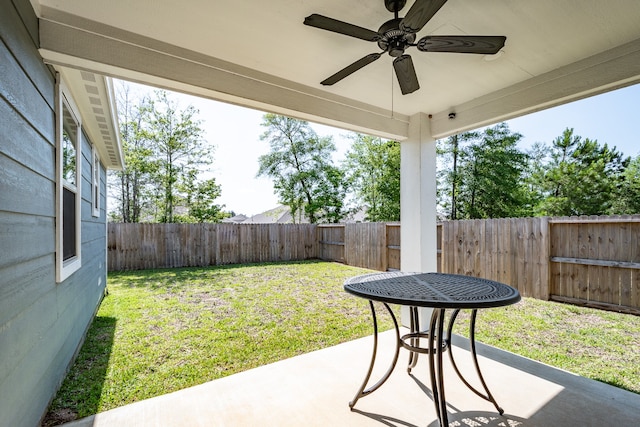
[{"x": 394, "y": 5}]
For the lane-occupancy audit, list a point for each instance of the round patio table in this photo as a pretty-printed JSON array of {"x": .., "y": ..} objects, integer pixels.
[{"x": 440, "y": 292}]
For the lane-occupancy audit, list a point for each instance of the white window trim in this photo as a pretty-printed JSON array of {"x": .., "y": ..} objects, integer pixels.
[
  {"x": 95, "y": 182},
  {"x": 64, "y": 269}
]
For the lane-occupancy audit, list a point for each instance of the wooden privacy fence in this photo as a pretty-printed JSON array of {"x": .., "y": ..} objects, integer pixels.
[
  {"x": 361, "y": 244},
  {"x": 369, "y": 245},
  {"x": 596, "y": 261},
  {"x": 141, "y": 246},
  {"x": 591, "y": 261},
  {"x": 509, "y": 250}
]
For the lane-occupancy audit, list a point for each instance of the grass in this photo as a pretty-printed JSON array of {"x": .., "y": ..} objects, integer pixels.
[
  {"x": 596, "y": 344},
  {"x": 163, "y": 330}
]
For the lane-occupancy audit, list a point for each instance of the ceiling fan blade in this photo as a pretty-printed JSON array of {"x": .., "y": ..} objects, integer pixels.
[
  {"x": 351, "y": 69},
  {"x": 336, "y": 26},
  {"x": 487, "y": 45},
  {"x": 419, "y": 14},
  {"x": 406, "y": 74}
]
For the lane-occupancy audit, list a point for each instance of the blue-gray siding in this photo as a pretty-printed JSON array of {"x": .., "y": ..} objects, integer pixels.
[{"x": 42, "y": 323}]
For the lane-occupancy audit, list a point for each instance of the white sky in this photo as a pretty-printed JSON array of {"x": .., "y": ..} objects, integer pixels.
[{"x": 235, "y": 132}]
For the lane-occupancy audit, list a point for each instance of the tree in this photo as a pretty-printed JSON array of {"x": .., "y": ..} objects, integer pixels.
[
  {"x": 628, "y": 201},
  {"x": 165, "y": 157},
  {"x": 300, "y": 165},
  {"x": 179, "y": 152},
  {"x": 581, "y": 178},
  {"x": 450, "y": 151},
  {"x": 373, "y": 169},
  {"x": 132, "y": 186},
  {"x": 487, "y": 181},
  {"x": 200, "y": 200},
  {"x": 534, "y": 174}
]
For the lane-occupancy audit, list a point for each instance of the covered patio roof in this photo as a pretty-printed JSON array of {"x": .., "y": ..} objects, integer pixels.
[{"x": 260, "y": 55}]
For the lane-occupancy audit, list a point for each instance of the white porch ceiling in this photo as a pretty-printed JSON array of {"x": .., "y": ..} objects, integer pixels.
[{"x": 259, "y": 54}]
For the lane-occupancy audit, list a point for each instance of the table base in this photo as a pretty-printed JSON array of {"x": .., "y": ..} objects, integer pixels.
[{"x": 438, "y": 344}]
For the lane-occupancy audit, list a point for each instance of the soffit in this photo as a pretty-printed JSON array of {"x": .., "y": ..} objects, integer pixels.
[{"x": 93, "y": 95}]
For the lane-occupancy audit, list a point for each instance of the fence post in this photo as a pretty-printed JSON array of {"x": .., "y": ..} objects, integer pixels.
[
  {"x": 385, "y": 247},
  {"x": 545, "y": 255}
]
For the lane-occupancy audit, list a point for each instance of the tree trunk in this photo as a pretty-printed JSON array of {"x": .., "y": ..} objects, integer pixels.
[{"x": 454, "y": 140}]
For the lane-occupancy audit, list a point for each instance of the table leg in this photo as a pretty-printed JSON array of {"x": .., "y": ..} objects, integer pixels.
[
  {"x": 361, "y": 391},
  {"x": 436, "y": 371},
  {"x": 438, "y": 343},
  {"x": 472, "y": 340},
  {"x": 444, "y": 422},
  {"x": 414, "y": 326}
]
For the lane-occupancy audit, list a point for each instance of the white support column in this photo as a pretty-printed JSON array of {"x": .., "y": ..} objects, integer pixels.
[{"x": 418, "y": 233}]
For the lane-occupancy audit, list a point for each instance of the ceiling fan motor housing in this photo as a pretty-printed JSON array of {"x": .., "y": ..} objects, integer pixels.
[{"x": 393, "y": 39}]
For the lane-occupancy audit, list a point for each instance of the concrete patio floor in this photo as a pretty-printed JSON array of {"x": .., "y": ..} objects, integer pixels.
[{"x": 314, "y": 390}]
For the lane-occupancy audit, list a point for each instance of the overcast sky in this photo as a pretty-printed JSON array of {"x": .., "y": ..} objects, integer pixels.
[{"x": 235, "y": 132}]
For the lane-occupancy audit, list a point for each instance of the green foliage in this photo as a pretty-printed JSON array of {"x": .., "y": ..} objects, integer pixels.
[
  {"x": 165, "y": 157},
  {"x": 200, "y": 200},
  {"x": 299, "y": 163},
  {"x": 484, "y": 175},
  {"x": 581, "y": 178},
  {"x": 132, "y": 186},
  {"x": 179, "y": 152},
  {"x": 534, "y": 172},
  {"x": 373, "y": 169},
  {"x": 628, "y": 201},
  {"x": 449, "y": 177},
  {"x": 486, "y": 180},
  {"x": 69, "y": 155}
]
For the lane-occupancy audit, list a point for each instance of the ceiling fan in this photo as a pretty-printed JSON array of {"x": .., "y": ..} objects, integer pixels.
[{"x": 397, "y": 34}]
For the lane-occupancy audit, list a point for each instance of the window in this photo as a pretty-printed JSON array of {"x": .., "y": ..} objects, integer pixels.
[
  {"x": 95, "y": 188},
  {"x": 68, "y": 186}
]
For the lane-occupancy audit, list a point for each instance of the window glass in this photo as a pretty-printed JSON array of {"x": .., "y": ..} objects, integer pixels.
[
  {"x": 96, "y": 183},
  {"x": 68, "y": 224},
  {"x": 69, "y": 154},
  {"x": 68, "y": 206}
]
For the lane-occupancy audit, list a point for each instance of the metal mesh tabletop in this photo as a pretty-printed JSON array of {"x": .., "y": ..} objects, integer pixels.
[{"x": 436, "y": 290}]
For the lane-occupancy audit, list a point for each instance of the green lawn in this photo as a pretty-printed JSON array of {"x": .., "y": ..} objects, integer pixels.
[
  {"x": 597, "y": 344},
  {"x": 163, "y": 330}
]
